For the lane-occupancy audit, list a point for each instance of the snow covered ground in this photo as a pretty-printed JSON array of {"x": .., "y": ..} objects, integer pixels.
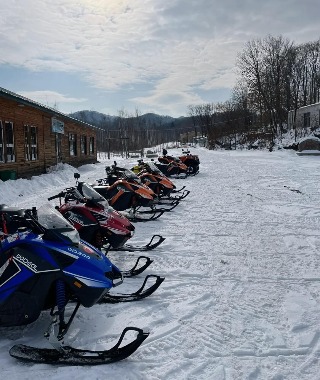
[{"x": 241, "y": 298}]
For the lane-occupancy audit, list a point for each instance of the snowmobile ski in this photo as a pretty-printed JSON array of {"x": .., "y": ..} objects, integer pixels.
[
  {"x": 143, "y": 216},
  {"x": 179, "y": 190},
  {"x": 148, "y": 247},
  {"x": 172, "y": 206},
  {"x": 73, "y": 356},
  {"x": 135, "y": 270},
  {"x": 173, "y": 199},
  {"x": 136, "y": 296},
  {"x": 167, "y": 201},
  {"x": 184, "y": 194}
]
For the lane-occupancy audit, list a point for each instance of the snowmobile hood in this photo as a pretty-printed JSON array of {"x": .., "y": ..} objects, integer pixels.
[
  {"x": 145, "y": 193},
  {"x": 167, "y": 183},
  {"x": 91, "y": 270},
  {"x": 86, "y": 270},
  {"x": 119, "y": 222}
]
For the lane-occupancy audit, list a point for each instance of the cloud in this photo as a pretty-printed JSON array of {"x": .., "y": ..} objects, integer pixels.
[
  {"x": 50, "y": 97},
  {"x": 178, "y": 48}
]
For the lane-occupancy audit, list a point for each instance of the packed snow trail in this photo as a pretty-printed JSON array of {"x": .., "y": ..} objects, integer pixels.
[{"x": 241, "y": 296}]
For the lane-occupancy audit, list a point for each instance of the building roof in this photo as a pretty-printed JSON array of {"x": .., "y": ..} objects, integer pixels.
[{"x": 31, "y": 103}]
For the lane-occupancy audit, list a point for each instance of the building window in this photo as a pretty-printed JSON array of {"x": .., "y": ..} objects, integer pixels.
[
  {"x": 83, "y": 144},
  {"x": 91, "y": 145},
  {"x": 7, "y": 152},
  {"x": 1, "y": 143},
  {"x": 72, "y": 144},
  {"x": 8, "y": 142},
  {"x": 31, "y": 143},
  {"x": 306, "y": 120}
]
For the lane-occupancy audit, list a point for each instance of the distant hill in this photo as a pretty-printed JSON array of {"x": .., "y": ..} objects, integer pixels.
[
  {"x": 99, "y": 119},
  {"x": 95, "y": 118},
  {"x": 152, "y": 118}
]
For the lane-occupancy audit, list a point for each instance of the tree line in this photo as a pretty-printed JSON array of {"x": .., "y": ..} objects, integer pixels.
[
  {"x": 132, "y": 133},
  {"x": 274, "y": 76}
]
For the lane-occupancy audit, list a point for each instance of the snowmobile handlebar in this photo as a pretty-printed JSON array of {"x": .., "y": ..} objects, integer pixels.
[
  {"x": 60, "y": 195},
  {"x": 102, "y": 181}
]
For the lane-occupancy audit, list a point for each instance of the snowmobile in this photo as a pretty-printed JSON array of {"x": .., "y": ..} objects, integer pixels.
[
  {"x": 44, "y": 266},
  {"x": 97, "y": 222},
  {"x": 191, "y": 160},
  {"x": 126, "y": 193},
  {"x": 172, "y": 166},
  {"x": 152, "y": 176}
]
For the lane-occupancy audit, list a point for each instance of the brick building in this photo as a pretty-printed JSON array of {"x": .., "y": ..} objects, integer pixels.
[{"x": 34, "y": 137}]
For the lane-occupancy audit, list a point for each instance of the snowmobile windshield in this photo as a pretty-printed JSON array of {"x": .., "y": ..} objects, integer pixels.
[
  {"x": 51, "y": 219},
  {"x": 129, "y": 174},
  {"x": 153, "y": 167},
  {"x": 91, "y": 194}
]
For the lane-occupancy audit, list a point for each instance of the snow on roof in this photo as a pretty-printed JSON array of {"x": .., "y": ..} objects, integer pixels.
[
  {"x": 23, "y": 100},
  {"x": 314, "y": 138}
]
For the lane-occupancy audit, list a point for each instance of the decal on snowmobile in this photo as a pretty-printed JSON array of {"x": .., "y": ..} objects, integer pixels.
[
  {"x": 4, "y": 266},
  {"x": 79, "y": 253},
  {"x": 29, "y": 256},
  {"x": 12, "y": 238},
  {"x": 23, "y": 260},
  {"x": 74, "y": 219},
  {"x": 12, "y": 270}
]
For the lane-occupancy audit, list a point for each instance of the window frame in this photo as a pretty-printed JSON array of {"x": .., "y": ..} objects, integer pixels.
[
  {"x": 1, "y": 142},
  {"x": 91, "y": 145},
  {"x": 83, "y": 145},
  {"x": 306, "y": 120},
  {"x": 8, "y": 142},
  {"x": 72, "y": 144},
  {"x": 30, "y": 143}
]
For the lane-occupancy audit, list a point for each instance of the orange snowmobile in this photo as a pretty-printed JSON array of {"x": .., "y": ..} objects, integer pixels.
[
  {"x": 125, "y": 191},
  {"x": 191, "y": 161},
  {"x": 152, "y": 176}
]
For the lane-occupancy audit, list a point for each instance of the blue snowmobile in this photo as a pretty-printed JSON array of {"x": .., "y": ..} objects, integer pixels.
[{"x": 45, "y": 266}]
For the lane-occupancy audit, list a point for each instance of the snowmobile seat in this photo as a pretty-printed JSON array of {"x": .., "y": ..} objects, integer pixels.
[{"x": 4, "y": 209}]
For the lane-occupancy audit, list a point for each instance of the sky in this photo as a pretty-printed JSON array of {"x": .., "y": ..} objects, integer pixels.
[
  {"x": 144, "y": 55},
  {"x": 241, "y": 295}
]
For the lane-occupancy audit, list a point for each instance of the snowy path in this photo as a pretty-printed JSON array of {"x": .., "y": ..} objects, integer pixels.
[{"x": 241, "y": 298}]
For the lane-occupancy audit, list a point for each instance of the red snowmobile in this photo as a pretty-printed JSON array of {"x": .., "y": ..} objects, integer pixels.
[{"x": 97, "y": 222}]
